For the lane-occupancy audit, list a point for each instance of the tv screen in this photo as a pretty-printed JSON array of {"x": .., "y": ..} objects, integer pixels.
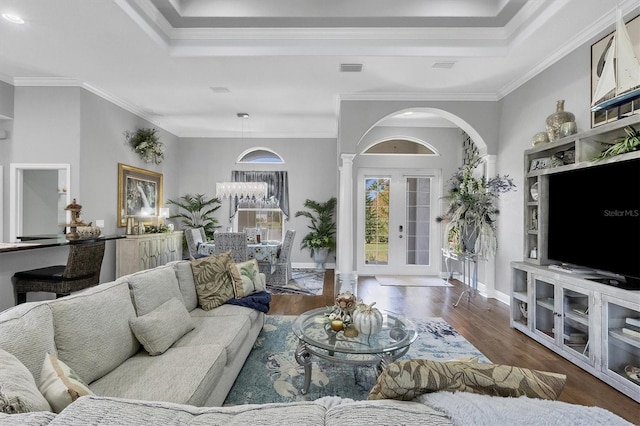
[{"x": 594, "y": 218}]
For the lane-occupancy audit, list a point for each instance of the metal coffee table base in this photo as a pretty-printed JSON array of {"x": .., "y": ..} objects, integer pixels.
[{"x": 304, "y": 351}]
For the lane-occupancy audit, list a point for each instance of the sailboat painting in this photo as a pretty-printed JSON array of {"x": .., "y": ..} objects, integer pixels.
[{"x": 615, "y": 66}]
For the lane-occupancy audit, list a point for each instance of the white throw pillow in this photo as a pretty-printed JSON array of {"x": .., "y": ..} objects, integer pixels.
[
  {"x": 246, "y": 278},
  {"x": 160, "y": 328},
  {"x": 18, "y": 390},
  {"x": 59, "y": 384}
]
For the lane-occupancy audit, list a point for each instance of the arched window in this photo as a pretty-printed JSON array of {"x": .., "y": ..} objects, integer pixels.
[
  {"x": 400, "y": 146},
  {"x": 260, "y": 155}
]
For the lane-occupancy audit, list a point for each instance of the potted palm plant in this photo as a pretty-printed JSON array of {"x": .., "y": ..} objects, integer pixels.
[
  {"x": 472, "y": 210},
  {"x": 195, "y": 211},
  {"x": 321, "y": 240}
]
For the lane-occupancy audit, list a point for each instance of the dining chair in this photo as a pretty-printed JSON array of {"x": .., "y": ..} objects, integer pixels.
[
  {"x": 194, "y": 237},
  {"x": 234, "y": 241},
  {"x": 282, "y": 272},
  {"x": 82, "y": 270}
]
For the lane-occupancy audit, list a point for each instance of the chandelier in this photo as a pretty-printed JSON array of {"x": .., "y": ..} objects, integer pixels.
[{"x": 257, "y": 190}]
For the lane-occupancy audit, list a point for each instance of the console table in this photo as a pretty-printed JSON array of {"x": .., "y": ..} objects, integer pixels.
[
  {"x": 139, "y": 252},
  {"x": 469, "y": 271}
]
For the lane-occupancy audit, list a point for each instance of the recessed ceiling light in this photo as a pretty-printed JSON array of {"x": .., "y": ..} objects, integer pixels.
[
  {"x": 13, "y": 18},
  {"x": 243, "y": 115},
  {"x": 220, "y": 89},
  {"x": 350, "y": 67}
]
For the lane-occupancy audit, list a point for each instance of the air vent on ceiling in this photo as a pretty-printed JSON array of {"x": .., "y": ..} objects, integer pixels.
[
  {"x": 444, "y": 65},
  {"x": 220, "y": 89},
  {"x": 350, "y": 67},
  {"x": 243, "y": 115}
]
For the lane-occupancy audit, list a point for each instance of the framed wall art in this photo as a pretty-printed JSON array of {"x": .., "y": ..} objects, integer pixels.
[
  {"x": 139, "y": 193},
  {"x": 604, "y": 77}
]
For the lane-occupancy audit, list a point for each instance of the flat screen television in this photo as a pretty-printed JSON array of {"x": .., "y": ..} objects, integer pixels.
[{"x": 594, "y": 220}]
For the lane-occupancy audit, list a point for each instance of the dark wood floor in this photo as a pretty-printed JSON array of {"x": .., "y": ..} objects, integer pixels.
[{"x": 484, "y": 323}]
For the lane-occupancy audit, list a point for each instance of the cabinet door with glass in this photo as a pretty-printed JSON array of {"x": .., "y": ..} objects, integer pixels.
[
  {"x": 621, "y": 337},
  {"x": 562, "y": 318},
  {"x": 575, "y": 322},
  {"x": 545, "y": 313}
]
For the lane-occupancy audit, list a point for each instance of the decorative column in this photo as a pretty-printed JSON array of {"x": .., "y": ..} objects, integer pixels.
[
  {"x": 490, "y": 264},
  {"x": 345, "y": 278}
]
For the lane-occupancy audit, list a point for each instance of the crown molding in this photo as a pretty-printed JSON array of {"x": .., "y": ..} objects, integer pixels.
[
  {"x": 379, "y": 96},
  {"x": 603, "y": 24},
  {"x": 46, "y": 82}
]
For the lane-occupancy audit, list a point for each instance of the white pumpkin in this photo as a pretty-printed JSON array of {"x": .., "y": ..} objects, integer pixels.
[{"x": 367, "y": 319}]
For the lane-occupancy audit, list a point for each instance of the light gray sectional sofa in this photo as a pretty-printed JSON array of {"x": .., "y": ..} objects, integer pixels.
[
  {"x": 90, "y": 332},
  {"x": 105, "y": 335}
]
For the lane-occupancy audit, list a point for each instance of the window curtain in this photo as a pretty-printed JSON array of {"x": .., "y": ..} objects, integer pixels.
[{"x": 277, "y": 182}]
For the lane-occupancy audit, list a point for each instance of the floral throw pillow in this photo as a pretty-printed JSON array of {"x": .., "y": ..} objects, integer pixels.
[
  {"x": 214, "y": 284},
  {"x": 246, "y": 278}
]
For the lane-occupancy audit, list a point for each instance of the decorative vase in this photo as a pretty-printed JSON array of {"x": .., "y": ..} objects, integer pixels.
[
  {"x": 320, "y": 257},
  {"x": 469, "y": 235},
  {"x": 555, "y": 121}
]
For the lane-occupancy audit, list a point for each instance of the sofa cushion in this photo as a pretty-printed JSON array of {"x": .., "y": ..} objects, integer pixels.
[
  {"x": 407, "y": 379},
  {"x": 184, "y": 273},
  {"x": 246, "y": 278},
  {"x": 117, "y": 411},
  {"x": 26, "y": 331},
  {"x": 92, "y": 330},
  {"x": 227, "y": 310},
  {"x": 59, "y": 384},
  {"x": 388, "y": 412},
  {"x": 229, "y": 332},
  {"x": 152, "y": 287},
  {"x": 213, "y": 281},
  {"x": 18, "y": 390},
  {"x": 185, "y": 375},
  {"x": 160, "y": 328}
]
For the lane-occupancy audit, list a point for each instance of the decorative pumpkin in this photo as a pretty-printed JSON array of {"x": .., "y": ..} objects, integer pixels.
[{"x": 367, "y": 319}]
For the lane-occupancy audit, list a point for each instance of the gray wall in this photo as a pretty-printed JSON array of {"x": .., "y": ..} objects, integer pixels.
[
  {"x": 40, "y": 203},
  {"x": 524, "y": 112},
  {"x": 72, "y": 125},
  {"x": 311, "y": 165}
]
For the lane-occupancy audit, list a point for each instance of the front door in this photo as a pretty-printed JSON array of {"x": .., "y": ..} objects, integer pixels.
[{"x": 396, "y": 219}]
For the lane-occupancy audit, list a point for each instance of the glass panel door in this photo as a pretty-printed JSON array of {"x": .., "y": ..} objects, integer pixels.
[
  {"x": 376, "y": 220},
  {"x": 395, "y": 219}
]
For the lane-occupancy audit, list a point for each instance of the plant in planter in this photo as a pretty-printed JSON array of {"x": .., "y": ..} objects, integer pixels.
[
  {"x": 146, "y": 142},
  {"x": 629, "y": 143},
  {"x": 197, "y": 211},
  {"x": 472, "y": 211},
  {"x": 321, "y": 240}
]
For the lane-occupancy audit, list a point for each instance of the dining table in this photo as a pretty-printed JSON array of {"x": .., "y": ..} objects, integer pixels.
[{"x": 266, "y": 251}]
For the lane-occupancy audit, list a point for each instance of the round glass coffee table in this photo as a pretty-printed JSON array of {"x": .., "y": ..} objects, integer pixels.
[{"x": 315, "y": 337}]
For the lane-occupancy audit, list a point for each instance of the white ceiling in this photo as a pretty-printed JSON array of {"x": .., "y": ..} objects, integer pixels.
[{"x": 280, "y": 59}]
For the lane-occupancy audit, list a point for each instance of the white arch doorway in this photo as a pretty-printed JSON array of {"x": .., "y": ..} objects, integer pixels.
[{"x": 351, "y": 174}]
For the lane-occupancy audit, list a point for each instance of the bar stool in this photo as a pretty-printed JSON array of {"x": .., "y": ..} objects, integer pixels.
[{"x": 81, "y": 271}]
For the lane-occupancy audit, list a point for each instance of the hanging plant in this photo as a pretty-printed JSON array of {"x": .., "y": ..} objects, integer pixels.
[{"x": 146, "y": 142}]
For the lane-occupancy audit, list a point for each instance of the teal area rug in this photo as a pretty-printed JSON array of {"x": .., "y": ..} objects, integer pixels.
[
  {"x": 271, "y": 373},
  {"x": 303, "y": 281}
]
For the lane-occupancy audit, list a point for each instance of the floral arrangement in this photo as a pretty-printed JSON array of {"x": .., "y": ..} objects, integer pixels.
[
  {"x": 472, "y": 211},
  {"x": 146, "y": 142},
  {"x": 316, "y": 241},
  {"x": 153, "y": 229}
]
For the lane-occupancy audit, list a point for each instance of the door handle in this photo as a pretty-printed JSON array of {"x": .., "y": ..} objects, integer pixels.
[{"x": 400, "y": 228}]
